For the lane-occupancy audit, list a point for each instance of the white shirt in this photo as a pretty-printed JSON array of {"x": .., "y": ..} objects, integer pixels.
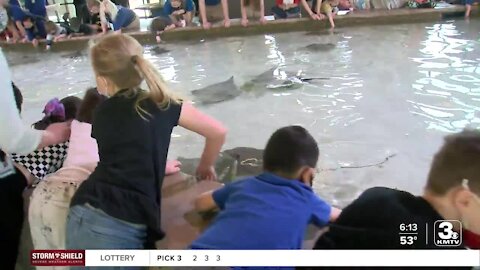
[
  {"x": 109, "y": 7},
  {"x": 15, "y": 136}
]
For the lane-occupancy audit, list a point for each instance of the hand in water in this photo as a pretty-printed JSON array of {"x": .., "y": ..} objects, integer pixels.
[
  {"x": 206, "y": 173},
  {"x": 60, "y": 132},
  {"x": 172, "y": 167},
  {"x": 35, "y": 42},
  {"x": 207, "y": 25},
  {"x": 226, "y": 23},
  {"x": 244, "y": 22}
]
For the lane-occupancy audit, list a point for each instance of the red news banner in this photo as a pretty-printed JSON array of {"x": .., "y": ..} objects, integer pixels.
[{"x": 57, "y": 257}]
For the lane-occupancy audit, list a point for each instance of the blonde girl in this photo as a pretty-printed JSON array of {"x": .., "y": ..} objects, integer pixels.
[{"x": 118, "y": 206}]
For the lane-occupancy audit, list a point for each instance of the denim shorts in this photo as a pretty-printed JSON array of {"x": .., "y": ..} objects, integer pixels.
[
  {"x": 285, "y": 14},
  {"x": 91, "y": 228}
]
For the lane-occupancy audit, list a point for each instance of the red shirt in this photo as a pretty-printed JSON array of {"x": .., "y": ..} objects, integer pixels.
[
  {"x": 282, "y": 2},
  {"x": 471, "y": 240}
]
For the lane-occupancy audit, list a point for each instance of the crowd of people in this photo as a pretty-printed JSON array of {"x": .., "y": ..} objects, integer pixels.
[
  {"x": 99, "y": 163},
  {"x": 29, "y": 23}
]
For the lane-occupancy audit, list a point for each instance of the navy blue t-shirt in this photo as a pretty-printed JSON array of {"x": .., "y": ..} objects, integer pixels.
[
  {"x": 17, "y": 13},
  {"x": 188, "y": 6},
  {"x": 263, "y": 212},
  {"x": 212, "y": 2}
]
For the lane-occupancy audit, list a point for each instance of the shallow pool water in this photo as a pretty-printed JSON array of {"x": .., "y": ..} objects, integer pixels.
[{"x": 390, "y": 94}]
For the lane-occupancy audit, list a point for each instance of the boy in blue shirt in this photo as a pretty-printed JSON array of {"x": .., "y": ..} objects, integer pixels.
[
  {"x": 28, "y": 26},
  {"x": 178, "y": 10},
  {"x": 271, "y": 210},
  {"x": 213, "y": 11},
  {"x": 176, "y": 13}
]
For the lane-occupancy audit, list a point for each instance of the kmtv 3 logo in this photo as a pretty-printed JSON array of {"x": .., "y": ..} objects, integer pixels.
[{"x": 447, "y": 233}]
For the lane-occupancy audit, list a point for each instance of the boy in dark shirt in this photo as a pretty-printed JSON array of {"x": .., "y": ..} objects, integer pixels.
[
  {"x": 33, "y": 31},
  {"x": 382, "y": 218},
  {"x": 271, "y": 210}
]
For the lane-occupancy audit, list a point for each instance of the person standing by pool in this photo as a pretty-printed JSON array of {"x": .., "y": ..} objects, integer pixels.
[
  {"x": 16, "y": 137},
  {"x": 121, "y": 198},
  {"x": 213, "y": 11},
  {"x": 252, "y": 9},
  {"x": 286, "y": 9},
  {"x": 122, "y": 18}
]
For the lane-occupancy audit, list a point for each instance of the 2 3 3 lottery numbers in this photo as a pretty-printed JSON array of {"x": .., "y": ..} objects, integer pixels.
[
  {"x": 206, "y": 258},
  {"x": 194, "y": 258}
]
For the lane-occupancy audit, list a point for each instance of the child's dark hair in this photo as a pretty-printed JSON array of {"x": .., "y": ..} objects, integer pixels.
[
  {"x": 458, "y": 159},
  {"x": 28, "y": 18},
  {"x": 18, "y": 97},
  {"x": 91, "y": 101},
  {"x": 50, "y": 27},
  {"x": 70, "y": 105},
  {"x": 289, "y": 149},
  {"x": 158, "y": 24}
]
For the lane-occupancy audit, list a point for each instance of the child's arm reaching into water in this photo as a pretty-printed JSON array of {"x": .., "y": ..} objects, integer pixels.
[
  {"x": 334, "y": 214},
  {"x": 214, "y": 133},
  {"x": 322, "y": 212},
  {"x": 307, "y": 8},
  {"x": 205, "y": 202},
  {"x": 244, "y": 13},
  {"x": 214, "y": 200}
]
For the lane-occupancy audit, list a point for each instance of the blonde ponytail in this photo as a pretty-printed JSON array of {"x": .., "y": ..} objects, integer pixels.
[
  {"x": 158, "y": 89},
  {"x": 119, "y": 58}
]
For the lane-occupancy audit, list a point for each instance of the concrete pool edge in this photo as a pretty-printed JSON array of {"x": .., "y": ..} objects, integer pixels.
[{"x": 358, "y": 18}]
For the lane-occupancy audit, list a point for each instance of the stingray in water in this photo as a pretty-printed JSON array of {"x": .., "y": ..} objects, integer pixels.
[
  {"x": 217, "y": 92},
  {"x": 319, "y": 47},
  {"x": 232, "y": 163},
  {"x": 322, "y": 33},
  {"x": 157, "y": 50},
  {"x": 267, "y": 80},
  {"x": 22, "y": 60},
  {"x": 75, "y": 55}
]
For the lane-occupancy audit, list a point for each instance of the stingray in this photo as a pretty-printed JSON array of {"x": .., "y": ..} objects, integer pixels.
[
  {"x": 157, "y": 50},
  {"x": 23, "y": 60},
  {"x": 267, "y": 80},
  {"x": 231, "y": 164},
  {"x": 74, "y": 55},
  {"x": 218, "y": 92},
  {"x": 322, "y": 33},
  {"x": 320, "y": 47}
]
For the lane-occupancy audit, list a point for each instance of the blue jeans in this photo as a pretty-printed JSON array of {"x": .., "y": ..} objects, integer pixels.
[
  {"x": 90, "y": 228},
  {"x": 286, "y": 14}
]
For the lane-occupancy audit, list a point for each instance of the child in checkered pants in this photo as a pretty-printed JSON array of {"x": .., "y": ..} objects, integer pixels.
[
  {"x": 36, "y": 165},
  {"x": 49, "y": 203}
]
